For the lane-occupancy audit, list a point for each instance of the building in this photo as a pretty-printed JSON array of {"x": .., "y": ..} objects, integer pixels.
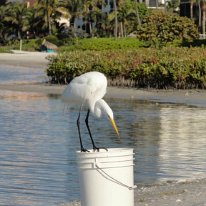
[{"x": 30, "y": 3}]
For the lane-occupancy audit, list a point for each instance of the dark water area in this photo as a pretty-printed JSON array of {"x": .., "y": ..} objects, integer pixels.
[{"x": 38, "y": 141}]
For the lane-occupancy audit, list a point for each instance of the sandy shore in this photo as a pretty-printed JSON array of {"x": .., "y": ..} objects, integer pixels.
[
  {"x": 189, "y": 97},
  {"x": 192, "y": 193},
  {"x": 34, "y": 59}
]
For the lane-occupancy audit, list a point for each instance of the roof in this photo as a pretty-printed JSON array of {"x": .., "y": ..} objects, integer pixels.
[{"x": 49, "y": 45}]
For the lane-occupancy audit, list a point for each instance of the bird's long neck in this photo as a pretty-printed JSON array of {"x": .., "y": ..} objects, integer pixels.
[
  {"x": 101, "y": 107},
  {"x": 91, "y": 105}
]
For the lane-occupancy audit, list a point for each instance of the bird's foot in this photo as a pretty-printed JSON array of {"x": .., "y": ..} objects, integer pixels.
[
  {"x": 84, "y": 150},
  {"x": 98, "y": 148}
]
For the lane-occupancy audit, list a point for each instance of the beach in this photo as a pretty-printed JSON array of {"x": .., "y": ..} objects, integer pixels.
[
  {"x": 187, "y": 192},
  {"x": 23, "y": 58}
]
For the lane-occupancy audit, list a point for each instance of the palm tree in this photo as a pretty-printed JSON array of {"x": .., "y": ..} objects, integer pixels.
[
  {"x": 50, "y": 10},
  {"x": 191, "y": 8},
  {"x": 17, "y": 16},
  {"x": 123, "y": 10},
  {"x": 91, "y": 11},
  {"x": 2, "y": 22},
  {"x": 35, "y": 22},
  {"x": 74, "y": 8},
  {"x": 103, "y": 25},
  {"x": 126, "y": 12}
]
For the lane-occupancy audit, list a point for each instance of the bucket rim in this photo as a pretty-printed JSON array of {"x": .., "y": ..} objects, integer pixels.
[{"x": 112, "y": 152}]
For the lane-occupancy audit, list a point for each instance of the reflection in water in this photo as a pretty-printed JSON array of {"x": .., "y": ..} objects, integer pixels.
[
  {"x": 182, "y": 138},
  {"x": 39, "y": 140},
  {"x": 169, "y": 139}
]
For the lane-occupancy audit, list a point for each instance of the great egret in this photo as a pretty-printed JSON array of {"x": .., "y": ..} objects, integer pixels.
[{"x": 88, "y": 90}]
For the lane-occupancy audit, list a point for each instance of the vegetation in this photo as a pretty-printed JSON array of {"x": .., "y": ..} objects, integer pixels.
[
  {"x": 98, "y": 44},
  {"x": 161, "y": 28},
  {"x": 168, "y": 67},
  {"x": 125, "y": 61},
  {"x": 18, "y": 21},
  {"x": 151, "y": 68}
]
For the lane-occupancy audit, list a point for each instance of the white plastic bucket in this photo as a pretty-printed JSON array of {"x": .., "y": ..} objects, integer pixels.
[{"x": 106, "y": 177}]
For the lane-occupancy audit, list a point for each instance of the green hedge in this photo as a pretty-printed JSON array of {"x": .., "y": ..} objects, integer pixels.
[
  {"x": 146, "y": 68},
  {"x": 99, "y": 44}
]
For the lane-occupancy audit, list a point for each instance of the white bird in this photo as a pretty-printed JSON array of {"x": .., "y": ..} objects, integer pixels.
[{"x": 88, "y": 90}]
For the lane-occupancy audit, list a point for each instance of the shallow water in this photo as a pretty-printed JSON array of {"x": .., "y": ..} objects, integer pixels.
[
  {"x": 17, "y": 74},
  {"x": 39, "y": 139}
]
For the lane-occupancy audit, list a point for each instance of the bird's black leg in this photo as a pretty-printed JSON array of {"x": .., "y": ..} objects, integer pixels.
[
  {"x": 80, "y": 139},
  {"x": 90, "y": 134}
]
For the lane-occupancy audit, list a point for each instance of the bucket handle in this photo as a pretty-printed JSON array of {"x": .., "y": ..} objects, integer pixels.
[{"x": 110, "y": 178}]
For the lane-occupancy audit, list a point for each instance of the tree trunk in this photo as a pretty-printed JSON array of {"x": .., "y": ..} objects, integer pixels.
[
  {"x": 203, "y": 18},
  {"x": 125, "y": 30},
  {"x": 200, "y": 14},
  {"x": 19, "y": 34},
  {"x": 157, "y": 4},
  {"x": 116, "y": 22},
  {"x": 137, "y": 13},
  {"x": 121, "y": 29},
  {"x": 49, "y": 25},
  {"x": 191, "y": 9},
  {"x": 48, "y": 18},
  {"x": 90, "y": 28},
  {"x": 20, "y": 45},
  {"x": 203, "y": 23}
]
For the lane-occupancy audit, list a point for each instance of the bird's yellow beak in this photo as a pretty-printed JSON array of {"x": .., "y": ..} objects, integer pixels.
[{"x": 114, "y": 126}]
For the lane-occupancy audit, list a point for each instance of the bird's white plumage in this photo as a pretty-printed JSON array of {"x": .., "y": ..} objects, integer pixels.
[{"x": 86, "y": 90}]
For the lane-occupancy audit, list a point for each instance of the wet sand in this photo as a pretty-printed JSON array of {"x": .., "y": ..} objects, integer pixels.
[
  {"x": 191, "y": 193},
  {"x": 185, "y": 193},
  {"x": 188, "y": 97}
]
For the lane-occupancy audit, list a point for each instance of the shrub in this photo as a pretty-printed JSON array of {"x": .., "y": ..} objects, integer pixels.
[
  {"x": 161, "y": 28},
  {"x": 53, "y": 39},
  {"x": 166, "y": 68}
]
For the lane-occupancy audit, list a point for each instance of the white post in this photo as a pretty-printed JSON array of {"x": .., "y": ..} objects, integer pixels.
[{"x": 20, "y": 46}]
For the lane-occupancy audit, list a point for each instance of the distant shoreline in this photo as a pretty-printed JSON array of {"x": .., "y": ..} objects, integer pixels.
[
  {"x": 188, "y": 97},
  {"x": 38, "y": 60},
  {"x": 26, "y": 59}
]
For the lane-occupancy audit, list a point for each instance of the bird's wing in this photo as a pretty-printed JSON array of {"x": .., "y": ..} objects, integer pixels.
[
  {"x": 74, "y": 92},
  {"x": 97, "y": 84},
  {"x": 87, "y": 88}
]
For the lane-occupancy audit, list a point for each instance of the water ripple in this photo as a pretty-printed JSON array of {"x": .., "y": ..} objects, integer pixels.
[{"x": 39, "y": 140}]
